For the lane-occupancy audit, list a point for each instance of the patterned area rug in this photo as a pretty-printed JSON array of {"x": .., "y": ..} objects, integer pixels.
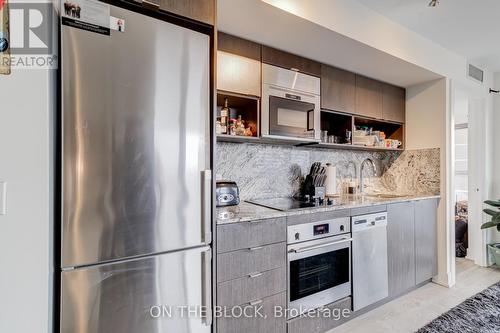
[{"x": 478, "y": 314}]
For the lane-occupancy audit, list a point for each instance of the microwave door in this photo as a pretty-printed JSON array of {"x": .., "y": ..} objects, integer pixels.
[{"x": 291, "y": 117}]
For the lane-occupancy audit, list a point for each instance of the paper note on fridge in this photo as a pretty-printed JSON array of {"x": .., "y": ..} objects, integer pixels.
[{"x": 90, "y": 15}]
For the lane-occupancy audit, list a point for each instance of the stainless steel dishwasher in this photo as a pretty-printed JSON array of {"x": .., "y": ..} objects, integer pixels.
[{"x": 369, "y": 256}]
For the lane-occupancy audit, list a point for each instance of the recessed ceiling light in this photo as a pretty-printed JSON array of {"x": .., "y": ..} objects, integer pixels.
[{"x": 433, "y": 3}]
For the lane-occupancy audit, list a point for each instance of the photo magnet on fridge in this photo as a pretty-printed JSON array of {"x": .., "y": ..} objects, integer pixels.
[
  {"x": 117, "y": 24},
  {"x": 90, "y": 15}
]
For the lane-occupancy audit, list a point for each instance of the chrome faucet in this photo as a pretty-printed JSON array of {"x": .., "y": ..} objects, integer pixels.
[{"x": 361, "y": 178}]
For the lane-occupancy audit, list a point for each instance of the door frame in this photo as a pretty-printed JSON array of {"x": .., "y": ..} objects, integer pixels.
[{"x": 478, "y": 189}]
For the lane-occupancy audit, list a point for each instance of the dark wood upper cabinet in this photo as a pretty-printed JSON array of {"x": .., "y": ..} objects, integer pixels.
[
  {"x": 291, "y": 61},
  {"x": 338, "y": 89},
  {"x": 393, "y": 103},
  {"x": 199, "y": 10},
  {"x": 369, "y": 99},
  {"x": 239, "y": 46}
]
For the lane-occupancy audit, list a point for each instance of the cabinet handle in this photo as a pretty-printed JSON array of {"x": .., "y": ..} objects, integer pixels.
[
  {"x": 256, "y": 302},
  {"x": 255, "y": 248},
  {"x": 254, "y": 275}
]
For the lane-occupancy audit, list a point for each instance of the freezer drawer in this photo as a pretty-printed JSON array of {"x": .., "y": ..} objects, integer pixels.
[
  {"x": 135, "y": 140},
  {"x": 143, "y": 295}
]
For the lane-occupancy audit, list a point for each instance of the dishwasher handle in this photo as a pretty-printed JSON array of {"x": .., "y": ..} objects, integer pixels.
[{"x": 368, "y": 223}]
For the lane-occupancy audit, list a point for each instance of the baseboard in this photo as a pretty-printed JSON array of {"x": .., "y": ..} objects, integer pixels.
[{"x": 444, "y": 280}]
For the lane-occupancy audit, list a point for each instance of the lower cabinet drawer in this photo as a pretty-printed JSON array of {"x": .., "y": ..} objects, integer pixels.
[
  {"x": 259, "y": 318},
  {"x": 251, "y": 287},
  {"x": 320, "y": 321},
  {"x": 244, "y": 235},
  {"x": 236, "y": 264}
]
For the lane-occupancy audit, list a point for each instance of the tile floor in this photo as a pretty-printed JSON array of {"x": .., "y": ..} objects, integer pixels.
[{"x": 412, "y": 311}]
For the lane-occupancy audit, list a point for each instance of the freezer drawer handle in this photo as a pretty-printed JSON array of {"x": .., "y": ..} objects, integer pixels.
[
  {"x": 255, "y": 248},
  {"x": 207, "y": 207},
  {"x": 206, "y": 280}
]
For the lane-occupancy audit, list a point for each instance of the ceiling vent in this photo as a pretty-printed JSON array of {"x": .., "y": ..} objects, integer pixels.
[{"x": 475, "y": 73}]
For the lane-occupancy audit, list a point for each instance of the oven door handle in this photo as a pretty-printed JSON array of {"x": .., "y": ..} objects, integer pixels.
[{"x": 314, "y": 247}]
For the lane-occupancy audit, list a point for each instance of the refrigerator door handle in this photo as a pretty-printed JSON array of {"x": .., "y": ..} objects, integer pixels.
[
  {"x": 206, "y": 280},
  {"x": 207, "y": 207}
]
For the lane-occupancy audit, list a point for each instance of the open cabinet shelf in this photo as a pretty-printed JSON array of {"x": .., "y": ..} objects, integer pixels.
[
  {"x": 337, "y": 124},
  {"x": 246, "y": 106},
  {"x": 392, "y": 130}
]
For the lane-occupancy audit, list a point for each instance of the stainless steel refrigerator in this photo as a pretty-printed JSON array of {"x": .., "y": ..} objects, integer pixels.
[{"x": 136, "y": 180}]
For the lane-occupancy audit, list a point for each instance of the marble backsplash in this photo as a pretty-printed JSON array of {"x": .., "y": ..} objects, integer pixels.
[{"x": 267, "y": 171}]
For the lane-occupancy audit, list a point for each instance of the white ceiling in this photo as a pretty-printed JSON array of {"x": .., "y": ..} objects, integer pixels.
[{"x": 470, "y": 28}]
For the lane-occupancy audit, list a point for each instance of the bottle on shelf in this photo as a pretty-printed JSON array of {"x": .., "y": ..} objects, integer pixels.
[
  {"x": 239, "y": 127},
  {"x": 224, "y": 117}
]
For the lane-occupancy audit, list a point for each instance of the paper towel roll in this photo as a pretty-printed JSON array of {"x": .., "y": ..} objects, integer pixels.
[{"x": 331, "y": 180}]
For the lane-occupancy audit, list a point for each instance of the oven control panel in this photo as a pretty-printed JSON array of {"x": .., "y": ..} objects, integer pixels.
[
  {"x": 321, "y": 229},
  {"x": 308, "y": 231}
]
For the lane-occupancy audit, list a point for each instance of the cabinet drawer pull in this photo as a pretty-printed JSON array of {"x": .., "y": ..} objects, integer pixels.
[
  {"x": 253, "y": 303},
  {"x": 255, "y": 248},
  {"x": 254, "y": 275}
]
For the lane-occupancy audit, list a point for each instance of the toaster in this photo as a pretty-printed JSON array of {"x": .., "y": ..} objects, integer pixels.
[{"x": 227, "y": 193}]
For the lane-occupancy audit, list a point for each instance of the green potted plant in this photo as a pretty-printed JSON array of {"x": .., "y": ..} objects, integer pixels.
[{"x": 495, "y": 222}]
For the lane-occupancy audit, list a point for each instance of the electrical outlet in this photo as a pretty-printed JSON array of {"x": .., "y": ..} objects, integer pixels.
[{"x": 3, "y": 198}]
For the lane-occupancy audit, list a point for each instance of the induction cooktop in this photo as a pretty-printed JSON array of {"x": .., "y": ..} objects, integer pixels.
[{"x": 286, "y": 203}]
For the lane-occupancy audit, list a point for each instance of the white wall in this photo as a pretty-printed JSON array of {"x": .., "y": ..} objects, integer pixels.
[
  {"x": 428, "y": 125},
  {"x": 26, "y": 231},
  {"x": 495, "y": 121}
]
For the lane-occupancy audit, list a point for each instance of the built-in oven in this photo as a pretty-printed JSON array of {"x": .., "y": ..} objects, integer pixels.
[
  {"x": 319, "y": 264},
  {"x": 290, "y": 104}
]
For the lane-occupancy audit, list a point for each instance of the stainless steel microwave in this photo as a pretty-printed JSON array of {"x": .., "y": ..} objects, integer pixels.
[{"x": 290, "y": 104}]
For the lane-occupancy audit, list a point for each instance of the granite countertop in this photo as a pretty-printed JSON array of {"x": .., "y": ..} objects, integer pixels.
[{"x": 247, "y": 212}]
